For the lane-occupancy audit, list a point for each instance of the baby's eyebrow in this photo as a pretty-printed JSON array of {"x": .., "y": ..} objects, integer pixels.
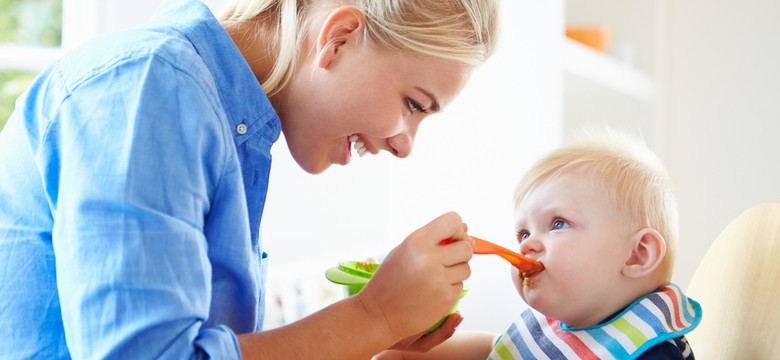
[{"x": 435, "y": 107}]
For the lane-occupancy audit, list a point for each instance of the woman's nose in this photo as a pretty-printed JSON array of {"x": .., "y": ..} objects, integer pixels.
[{"x": 401, "y": 145}]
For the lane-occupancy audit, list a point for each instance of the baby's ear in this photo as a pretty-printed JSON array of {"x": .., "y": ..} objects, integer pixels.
[{"x": 647, "y": 250}]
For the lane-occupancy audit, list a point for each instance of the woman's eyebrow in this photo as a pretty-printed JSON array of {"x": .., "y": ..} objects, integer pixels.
[{"x": 434, "y": 102}]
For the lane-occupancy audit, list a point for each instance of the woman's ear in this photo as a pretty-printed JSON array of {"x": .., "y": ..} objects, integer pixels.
[
  {"x": 342, "y": 27},
  {"x": 647, "y": 251}
]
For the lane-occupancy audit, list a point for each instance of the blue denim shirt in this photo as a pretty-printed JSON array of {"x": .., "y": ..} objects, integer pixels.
[{"x": 133, "y": 175}]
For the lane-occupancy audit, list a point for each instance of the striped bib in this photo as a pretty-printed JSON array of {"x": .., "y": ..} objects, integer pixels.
[{"x": 657, "y": 317}]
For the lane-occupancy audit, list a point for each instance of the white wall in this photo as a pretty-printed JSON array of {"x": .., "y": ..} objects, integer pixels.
[{"x": 723, "y": 108}]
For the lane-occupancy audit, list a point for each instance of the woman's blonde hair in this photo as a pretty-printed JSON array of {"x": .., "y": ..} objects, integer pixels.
[
  {"x": 459, "y": 30},
  {"x": 628, "y": 170}
]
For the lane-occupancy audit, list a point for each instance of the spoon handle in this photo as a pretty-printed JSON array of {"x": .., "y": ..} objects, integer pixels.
[{"x": 519, "y": 261}]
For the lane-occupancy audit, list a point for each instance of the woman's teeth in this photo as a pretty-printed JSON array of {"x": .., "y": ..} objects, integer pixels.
[{"x": 359, "y": 145}]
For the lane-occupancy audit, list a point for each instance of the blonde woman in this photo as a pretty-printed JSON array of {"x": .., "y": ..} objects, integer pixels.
[{"x": 134, "y": 173}]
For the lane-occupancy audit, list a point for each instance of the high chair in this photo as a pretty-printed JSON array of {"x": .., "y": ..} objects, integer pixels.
[{"x": 737, "y": 284}]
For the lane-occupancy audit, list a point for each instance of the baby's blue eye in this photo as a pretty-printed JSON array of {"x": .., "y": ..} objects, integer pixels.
[
  {"x": 559, "y": 224},
  {"x": 522, "y": 235}
]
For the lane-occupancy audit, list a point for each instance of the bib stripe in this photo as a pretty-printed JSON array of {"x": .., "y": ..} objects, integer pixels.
[
  {"x": 661, "y": 304},
  {"x": 502, "y": 351},
  {"x": 613, "y": 346},
  {"x": 592, "y": 343},
  {"x": 646, "y": 330},
  {"x": 633, "y": 334},
  {"x": 521, "y": 333},
  {"x": 677, "y": 308},
  {"x": 549, "y": 332},
  {"x": 545, "y": 344},
  {"x": 650, "y": 317},
  {"x": 575, "y": 344}
]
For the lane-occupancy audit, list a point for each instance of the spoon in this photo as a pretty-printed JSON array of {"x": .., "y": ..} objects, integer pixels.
[{"x": 524, "y": 264}]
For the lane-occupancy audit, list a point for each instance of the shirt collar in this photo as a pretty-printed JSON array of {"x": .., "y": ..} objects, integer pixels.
[{"x": 244, "y": 100}]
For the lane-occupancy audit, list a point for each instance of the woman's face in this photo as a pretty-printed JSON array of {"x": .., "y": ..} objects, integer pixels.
[
  {"x": 367, "y": 93},
  {"x": 570, "y": 224}
]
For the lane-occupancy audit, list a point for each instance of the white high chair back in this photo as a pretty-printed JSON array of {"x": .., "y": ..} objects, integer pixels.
[{"x": 738, "y": 287}]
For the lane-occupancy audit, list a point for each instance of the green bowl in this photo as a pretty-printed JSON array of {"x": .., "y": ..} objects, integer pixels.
[
  {"x": 354, "y": 275},
  {"x": 452, "y": 310}
]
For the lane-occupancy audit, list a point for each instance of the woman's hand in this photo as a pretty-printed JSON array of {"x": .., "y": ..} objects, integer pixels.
[
  {"x": 420, "y": 281},
  {"x": 425, "y": 341}
]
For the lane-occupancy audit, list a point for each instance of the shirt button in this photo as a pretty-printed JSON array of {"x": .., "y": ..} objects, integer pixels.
[{"x": 241, "y": 129}]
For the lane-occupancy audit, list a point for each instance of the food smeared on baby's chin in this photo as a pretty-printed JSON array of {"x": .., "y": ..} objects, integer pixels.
[{"x": 525, "y": 281}]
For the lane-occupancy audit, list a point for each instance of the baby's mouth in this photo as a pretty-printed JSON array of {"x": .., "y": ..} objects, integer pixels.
[{"x": 527, "y": 275}]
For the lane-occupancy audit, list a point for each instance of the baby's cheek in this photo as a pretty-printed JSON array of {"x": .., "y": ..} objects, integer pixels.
[{"x": 517, "y": 280}]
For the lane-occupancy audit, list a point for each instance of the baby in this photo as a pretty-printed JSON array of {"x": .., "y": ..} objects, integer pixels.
[{"x": 600, "y": 214}]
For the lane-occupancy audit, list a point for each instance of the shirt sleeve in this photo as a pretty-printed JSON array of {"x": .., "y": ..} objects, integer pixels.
[{"x": 131, "y": 161}]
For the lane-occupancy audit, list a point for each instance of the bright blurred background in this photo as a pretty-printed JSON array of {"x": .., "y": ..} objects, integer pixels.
[
  {"x": 698, "y": 79},
  {"x": 25, "y": 23}
]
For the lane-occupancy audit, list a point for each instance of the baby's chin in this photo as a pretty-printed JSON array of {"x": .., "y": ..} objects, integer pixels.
[{"x": 530, "y": 297}]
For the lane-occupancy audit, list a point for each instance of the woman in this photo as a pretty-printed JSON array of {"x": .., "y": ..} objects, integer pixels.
[{"x": 134, "y": 174}]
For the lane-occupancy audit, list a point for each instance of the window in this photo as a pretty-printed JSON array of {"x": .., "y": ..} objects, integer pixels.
[
  {"x": 30, "y": 37},
  {"x": 31, "y": 23},
  {"x": 13, "y": 84},
  {"x": 33, "y": 33}
]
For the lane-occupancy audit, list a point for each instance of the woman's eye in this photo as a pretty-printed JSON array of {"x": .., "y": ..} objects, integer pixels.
[
  {"x": 415, "y": 106},
  {"x": 558, "y": 224}
]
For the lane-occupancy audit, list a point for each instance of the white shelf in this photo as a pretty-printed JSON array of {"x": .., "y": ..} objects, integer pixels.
[{"x": 586, "y": 63}]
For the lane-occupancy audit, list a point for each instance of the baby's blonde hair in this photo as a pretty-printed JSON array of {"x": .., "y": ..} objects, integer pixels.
[
  {"x": 460, "y": 30},
  {"x": 628, "y": 170}
]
